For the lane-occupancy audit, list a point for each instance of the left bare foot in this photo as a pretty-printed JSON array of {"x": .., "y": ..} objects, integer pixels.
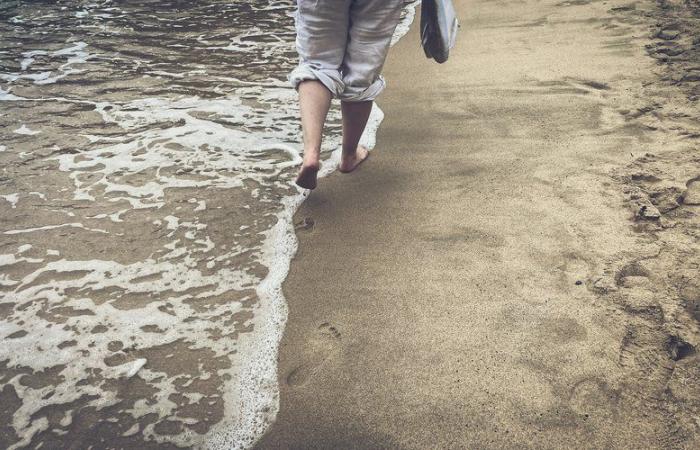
[
  {"x": 307, "y": 176},
  {"x": 350, "y": 163}
]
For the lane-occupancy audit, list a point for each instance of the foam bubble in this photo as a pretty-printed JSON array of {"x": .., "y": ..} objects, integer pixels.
[
  {"x": 11, "y": 198},
  {"x": 24, "y": 129}
]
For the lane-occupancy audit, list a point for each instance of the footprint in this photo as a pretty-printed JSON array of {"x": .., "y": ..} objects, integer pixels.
[
  {"x": 645, "y": 177},
  {"x": 298, "y": 376},
  {"x": 592, "y": 396},
  {"x": 306, "y": 224},
  {"x": 327, "y": 329},
  {"x": 600, "y": 86},
  {"x": 692, "y": 194},
  {"x": 666, "y": 199},
  {"x": 633, "y": 269},
  {"x": 324, "y": 344}
]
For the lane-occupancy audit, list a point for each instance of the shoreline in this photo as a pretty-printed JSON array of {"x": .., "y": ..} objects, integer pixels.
[
  {"x": 464, "y": 302},
  {"x": 281, "y": 245}
]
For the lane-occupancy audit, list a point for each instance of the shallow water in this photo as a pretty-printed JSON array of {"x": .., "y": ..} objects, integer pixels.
[{"x": 148, "y": 151}]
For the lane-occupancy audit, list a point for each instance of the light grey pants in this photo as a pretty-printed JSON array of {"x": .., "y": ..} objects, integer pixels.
[{"x": 344, "y": 43}]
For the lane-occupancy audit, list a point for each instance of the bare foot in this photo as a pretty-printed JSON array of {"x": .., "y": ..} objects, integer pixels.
[
  {"x": 307, "y": 176},
  {"x": 350, "y": 163}
]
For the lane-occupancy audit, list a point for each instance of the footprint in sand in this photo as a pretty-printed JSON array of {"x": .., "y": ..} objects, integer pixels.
[
  {"x": 593, "y": 397},
  {"x": 692, "y": 194},
  {"x": 305, "y": 224},
  {"x": 592, "y": 84},
  {"x": 633, "y": 270},
  {"x": 323, "y": 345}
]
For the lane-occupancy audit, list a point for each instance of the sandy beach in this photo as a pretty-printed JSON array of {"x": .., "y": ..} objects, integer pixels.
[{"x": 517, "y": 264}]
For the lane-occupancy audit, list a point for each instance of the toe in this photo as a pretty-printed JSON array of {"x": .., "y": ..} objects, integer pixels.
[{"x": 362, "y": 154}]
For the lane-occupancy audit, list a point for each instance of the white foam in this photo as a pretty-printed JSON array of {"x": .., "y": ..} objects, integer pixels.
[
  {"x": 129, "y": 369},
  {"x": 52, "y": 227},
  {"x": 11, "y": 198},
  {"x": 257, "y": 392},
  {"x": 11, "y": 259},
  {"x": 73, "y": 55},
  {"x": 6, "y": 96},
  {"x": 26, "y": 131},
  {"x": 176, "y": 276},
  {"x": 406, "y": 21},
  {"x": 230, "y": 141}
]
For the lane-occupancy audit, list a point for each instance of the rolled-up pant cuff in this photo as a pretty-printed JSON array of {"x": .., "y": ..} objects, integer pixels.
[
  {"x": 363, "y": 94},
  {"x": 330, "y": 78},
  {"x": 333, "y": 81}
]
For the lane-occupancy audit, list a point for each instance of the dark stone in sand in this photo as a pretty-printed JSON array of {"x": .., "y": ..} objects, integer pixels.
[
  {"x": 678, "y": 348},
  {"x": 648, "y": 212}
]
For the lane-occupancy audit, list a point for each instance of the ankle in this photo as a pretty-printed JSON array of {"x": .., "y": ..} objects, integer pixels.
[
  {"x": 310, "y": 163},
  {"x": 311, "y": 155},
  {"x": 348, "y": 153}
]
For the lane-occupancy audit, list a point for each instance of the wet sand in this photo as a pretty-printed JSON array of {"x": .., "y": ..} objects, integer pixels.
[{"x": 517, "y": 263}]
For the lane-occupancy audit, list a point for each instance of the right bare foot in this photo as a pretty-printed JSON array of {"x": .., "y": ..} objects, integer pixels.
[
  {"x": 307, "y": 176},
  {"x": 350, "y": 163}
]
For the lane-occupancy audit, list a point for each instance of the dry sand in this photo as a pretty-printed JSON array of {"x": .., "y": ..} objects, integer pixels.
[{"x": 517, "y": 265}]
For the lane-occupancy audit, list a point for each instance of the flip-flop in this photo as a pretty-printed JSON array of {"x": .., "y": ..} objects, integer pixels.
[{"x": 356, "y": 165}]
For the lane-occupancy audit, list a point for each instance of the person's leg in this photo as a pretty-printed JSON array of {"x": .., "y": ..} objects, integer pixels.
[
  {"x": 355, "y": 116},
  {"x": 372, "y": 26},
  {"x": 314, "y": 102},
  {"x": 321, "y": 27}
]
